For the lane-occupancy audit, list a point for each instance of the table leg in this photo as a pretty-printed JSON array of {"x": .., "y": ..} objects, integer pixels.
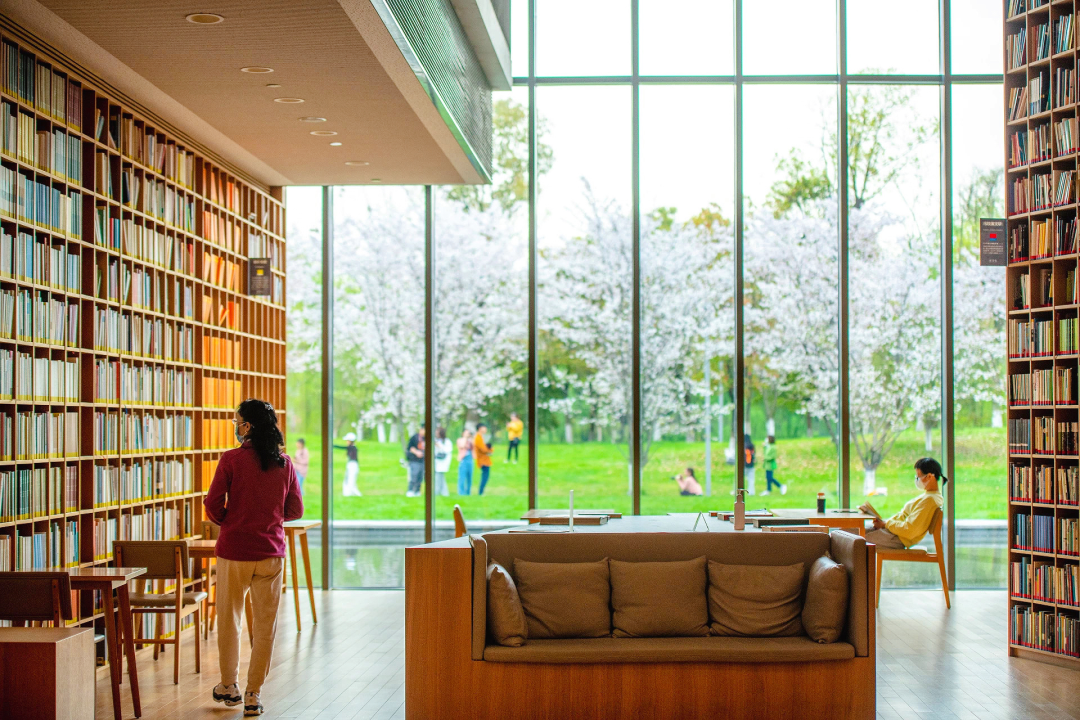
[
  {"x": 113, "y": 646},
  {"x": 295, "y": 576},
  {"x": 128, "y": 626},
  {"x": 307, "y": 574}
]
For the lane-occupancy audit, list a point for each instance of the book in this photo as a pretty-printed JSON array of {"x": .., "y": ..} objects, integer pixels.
[{"x": 869, "y": 510}]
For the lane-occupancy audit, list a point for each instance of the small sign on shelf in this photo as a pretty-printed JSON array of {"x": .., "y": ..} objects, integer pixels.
[
  {"x": 260, "y": 279},
  {"x": 992, "y": 235}
]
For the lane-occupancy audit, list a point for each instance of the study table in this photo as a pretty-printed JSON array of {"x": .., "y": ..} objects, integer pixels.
[{"x": 844, "y": 519}]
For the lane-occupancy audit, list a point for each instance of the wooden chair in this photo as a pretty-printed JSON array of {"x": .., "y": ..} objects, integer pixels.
[
  {"x": 35, "y": 597},
  {"x": 165, "y": 561},
  {"x": 210, "y": 532},
  {"x": 918, "y": 555},
  {"x": 459, "y": 523}
]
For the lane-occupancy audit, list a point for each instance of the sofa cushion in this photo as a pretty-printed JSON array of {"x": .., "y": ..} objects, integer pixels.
[
  {"x": 565, "y": 600},
  {"x": 671, "y": 650},
  {"x": 755, "y": 600},
  {"x": 505, "y": 616},
  {"x": 825, "y": 610},
  {"x": 659, "y": 599}
]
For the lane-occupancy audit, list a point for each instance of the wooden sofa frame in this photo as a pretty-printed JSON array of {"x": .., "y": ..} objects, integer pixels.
[{"x": 442, "y": 680}]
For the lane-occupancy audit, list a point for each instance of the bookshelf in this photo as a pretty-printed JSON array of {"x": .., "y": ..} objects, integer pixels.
[
  {"x": 126, "y": 334},
  {"x": 1041, "y": 152}
]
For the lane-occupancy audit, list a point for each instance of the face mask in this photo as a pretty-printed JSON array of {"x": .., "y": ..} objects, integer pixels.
[
  {"x": 239, "y": 437},
  {"x": 919, "y": 483}
]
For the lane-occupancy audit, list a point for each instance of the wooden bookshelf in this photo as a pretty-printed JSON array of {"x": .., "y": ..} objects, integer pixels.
[
  {"x": 146, "y": 337},
  {"x": 1041, "y": 147}
]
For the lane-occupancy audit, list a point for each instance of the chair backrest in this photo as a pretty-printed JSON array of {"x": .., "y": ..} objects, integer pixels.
[
  {"x": 459, "y": 523},
  {"x": 35, "y": 596},
  {"x": 210, "y": 530},
  {"x": 163, "y": 559},
  {"x": 935, "y": 530}
]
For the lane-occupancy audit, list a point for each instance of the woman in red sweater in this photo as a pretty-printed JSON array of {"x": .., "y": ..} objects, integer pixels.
[{"x": 255, "y": 490}]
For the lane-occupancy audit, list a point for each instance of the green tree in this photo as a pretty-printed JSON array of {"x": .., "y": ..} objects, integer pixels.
[{"x": 981, "y": 197}]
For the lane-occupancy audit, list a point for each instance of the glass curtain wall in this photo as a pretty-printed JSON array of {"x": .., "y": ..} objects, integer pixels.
[{"x": 635, "y": 143}]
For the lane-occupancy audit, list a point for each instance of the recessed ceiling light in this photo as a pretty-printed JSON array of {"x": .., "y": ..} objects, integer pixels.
[
  {"x": 289, "y": 101},
  {"x": 335, "y": 144},
  {"x": 312, "y": 119},
  {"x": 357, "y": 163},
  {"x": 204, "y": 18},
  {"x": 376, "y": 180},
  {"x": 323, "y": 133},
  {"x": 272, "y": 85},
  {"x": 257, "y": 69}
]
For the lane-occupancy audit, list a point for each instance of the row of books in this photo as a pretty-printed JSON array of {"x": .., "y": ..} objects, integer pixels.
[
  {"x": 48, "y": 90},
  {"x": 1064, "y": 87},
  {"x": 38, "y": 203},
  {"x": 148, "y": 337},
  {"x": 221, "y": 352},
  {"x": 1042, "y": 387},
  {"x": 221, "y": 230},
  {"x": 29, "y": 494},
  {"x": 54, "y": 151},
  {"x": 221, "y": 189},
  {"x": 1040, "y": 580},
  {"x": 135, "y": 432},
  {"x": 1016, "y": 49},
  {"x": 40, "y": 379},
  {"x": 1043, "y": 484},
  {"x": 1037, "y": 533},
  {"x": 264, "y": 246},
  {"x": 1031, "y": 338},
  {"x": 1063, "y": 34},
  {"x": 42, "y": 435},
  {"x": 25, "y": 257},
  {"x": 218, "y": 434},
  {"x": 220, "y": 271},
  {"x": 154, "y": 385},
  {"x": 221, "y": 392},
  {"x": 146, "y": 242},
  {"x": 1039, "y": 436},
  {"x": 142, "y": 481},
  {"x": 146, "y": 147},
  {"x": 38, "y": 317},
  {"x": 227, "y": 314},
  {"x": 1044, "y": 630},
  {"x": 1040, "y": 41}
]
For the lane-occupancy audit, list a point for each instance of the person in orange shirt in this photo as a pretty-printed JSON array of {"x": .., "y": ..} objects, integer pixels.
[
  {"x": 482, "y": 448},
  {"x": 514, "y": 429}
]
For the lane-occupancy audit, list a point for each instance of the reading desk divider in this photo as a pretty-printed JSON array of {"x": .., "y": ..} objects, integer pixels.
[{"x": 127, "y": 335}]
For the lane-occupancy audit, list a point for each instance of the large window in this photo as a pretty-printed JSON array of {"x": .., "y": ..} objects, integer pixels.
[{"x": 800, "y": 187}]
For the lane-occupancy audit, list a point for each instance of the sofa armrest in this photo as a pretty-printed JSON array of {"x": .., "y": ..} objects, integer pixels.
[
  {"x": 851, "y": 551},
  {"x": 479, "y": 596}
]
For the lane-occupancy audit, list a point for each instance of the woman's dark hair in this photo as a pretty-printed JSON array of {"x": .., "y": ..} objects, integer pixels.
[
  {"x": 930, "y": 466},
  {"x": 440, "y": 433},
  {"x": 690, "y": 472},
  {"x": 265, "y": 436}
]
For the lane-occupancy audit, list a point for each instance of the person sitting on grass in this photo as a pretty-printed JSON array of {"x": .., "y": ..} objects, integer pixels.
[
  {"x": 907, "y": 527},
  {"x": 688, "y": 484}
]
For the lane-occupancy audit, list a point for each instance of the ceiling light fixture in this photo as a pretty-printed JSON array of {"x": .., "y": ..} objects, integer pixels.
[
  {"x": 272, "y": 85},
  {"x": 289, "y": 101},
  {"x": 312, "y": 119},
  {"x": 357, "y": 163},
  {"x": 256, "y": 69},
  {"x": 323, "y": 133},
  {"x": 376, "y": 180},
  {"x": 204, "y": 18},
  {"x": 335, "y": 144}
]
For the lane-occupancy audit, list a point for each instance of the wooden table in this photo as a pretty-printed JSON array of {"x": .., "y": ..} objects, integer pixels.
[
  {"x": 47, "y": 673},
  {"x": 295, "y": 528},
  {"x": 534, "y": 515},
  {"x": 831, "y": 518},
  {"x": 107, "y": 579}
]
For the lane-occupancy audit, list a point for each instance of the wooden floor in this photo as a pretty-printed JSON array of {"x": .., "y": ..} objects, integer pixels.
[{"x": 932, "y": 663}]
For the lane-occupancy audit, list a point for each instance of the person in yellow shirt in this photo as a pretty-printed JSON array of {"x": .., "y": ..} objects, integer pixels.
[
  {"x": 910, "y": 525},
  {"x": 514, "y": 429},
  {"x": 482, "y": 450}
]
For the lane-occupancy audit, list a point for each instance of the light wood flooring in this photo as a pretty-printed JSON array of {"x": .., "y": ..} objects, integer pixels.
[{"x": 932, "y": 663}]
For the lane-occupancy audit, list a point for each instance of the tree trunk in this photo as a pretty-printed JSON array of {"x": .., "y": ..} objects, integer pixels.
[
  {"x": 997, "y": 419},
  {"x": 599, "y": 433},
  {"x": 395, "y": 430},
  {"x": 656, "y": 431},
  {"x": 869, "y": 481},
  {"x": 568, "y": 431},
  {"x": 380, "y": 431},
  {"x": 770, "y": 426},
  {"x": 929, "y": 436},
  {"x": 809, "y": 426}
]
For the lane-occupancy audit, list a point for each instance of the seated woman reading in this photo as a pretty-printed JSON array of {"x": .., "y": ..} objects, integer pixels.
[
  {"x": 910, "y": 525},
  {"x": 688, "y": 484}
]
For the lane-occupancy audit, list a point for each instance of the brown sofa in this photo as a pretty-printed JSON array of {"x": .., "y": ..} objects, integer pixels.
[{"x": 454, "y": 670}]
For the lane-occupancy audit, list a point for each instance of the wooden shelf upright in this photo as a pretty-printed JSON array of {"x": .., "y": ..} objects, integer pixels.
[
  {"x": 1041, "y": 146},
  {"x": 127, "y": 336}
]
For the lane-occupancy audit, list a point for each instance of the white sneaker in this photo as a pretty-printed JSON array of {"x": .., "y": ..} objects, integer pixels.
[
  {"x": 228, "y": 694},
  {"x": 252, "y": 706},
  {"x": 783, "y": 489},
  {"x": 766, "y": 492}
]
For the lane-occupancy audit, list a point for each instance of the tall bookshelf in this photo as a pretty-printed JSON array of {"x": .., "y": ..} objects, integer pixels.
[
  {"x": 126, "y": 332},
  {"x": 1041, "y": 152}
]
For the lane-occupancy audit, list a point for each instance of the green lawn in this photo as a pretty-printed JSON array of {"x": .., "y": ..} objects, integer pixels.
[{"x": 597, "y": 473}]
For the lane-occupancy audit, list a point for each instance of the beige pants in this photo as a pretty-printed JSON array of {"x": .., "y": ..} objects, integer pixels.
[{"x": 234, "y": 577}]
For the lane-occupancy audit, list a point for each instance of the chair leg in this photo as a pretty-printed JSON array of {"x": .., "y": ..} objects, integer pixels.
[
  {"x": 158, "y": 647},
  {"x": 944, "y": 581},
  {"x": 198, "y": 642},
  {"x": 176, "y": 651},
  {"x": 877, "y": 597}
]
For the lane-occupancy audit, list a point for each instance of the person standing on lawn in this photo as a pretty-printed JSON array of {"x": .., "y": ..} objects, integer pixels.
[
  {"x": 414, "y": 453},
  {"x": 300, "y": 462},
  {"x": 443, "y": 455},
  {"x": 352, "y": 466},
  {"x": 514, "y": 428},
  {"x": 768, "y": 454},
  {"x": 751, "y": 457},
  {"x": 482, "y": 447},
  {"x": 464, "y": 462}
]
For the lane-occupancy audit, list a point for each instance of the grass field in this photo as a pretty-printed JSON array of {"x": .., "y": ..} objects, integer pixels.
[{"x": 597, "y": 473}]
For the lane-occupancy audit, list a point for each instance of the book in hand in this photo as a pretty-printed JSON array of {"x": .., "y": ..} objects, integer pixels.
[{"x": 869, "y": 510}]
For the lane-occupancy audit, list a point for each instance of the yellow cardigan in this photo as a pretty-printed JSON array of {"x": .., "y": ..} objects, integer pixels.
[{"x": 912, "y": 523}]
